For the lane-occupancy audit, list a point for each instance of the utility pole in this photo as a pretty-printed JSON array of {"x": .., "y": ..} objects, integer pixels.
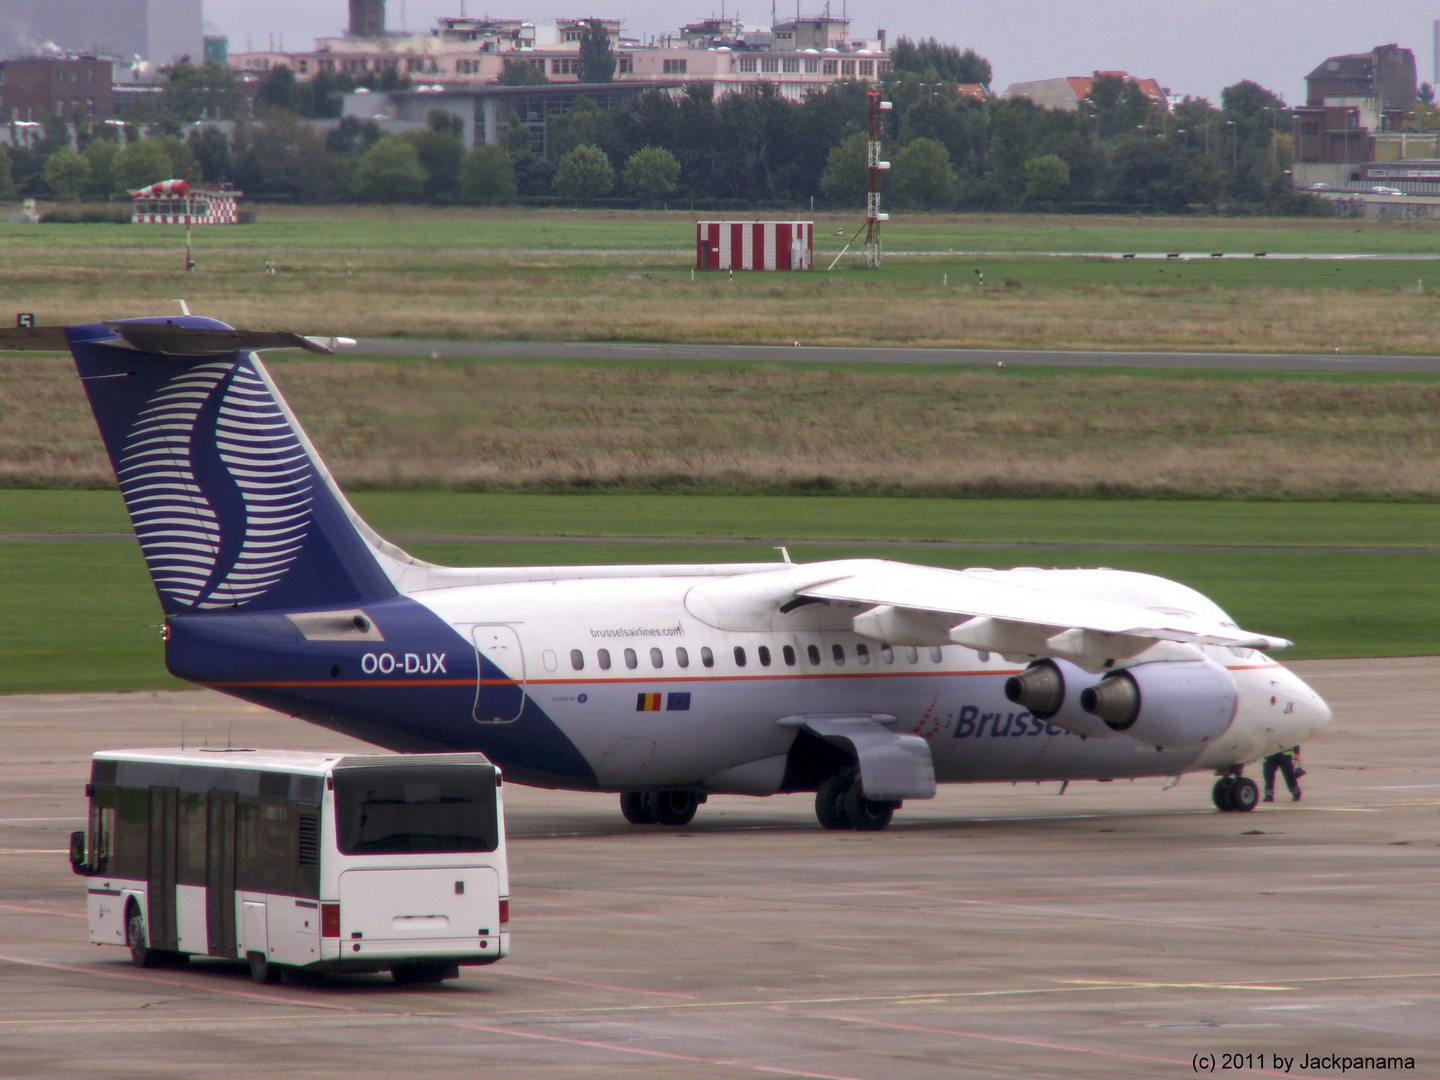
[{"x": 874, "y": 166}]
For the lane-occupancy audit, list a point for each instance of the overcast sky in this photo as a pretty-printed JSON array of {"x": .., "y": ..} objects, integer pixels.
[{"x": 1193, "y": 47}]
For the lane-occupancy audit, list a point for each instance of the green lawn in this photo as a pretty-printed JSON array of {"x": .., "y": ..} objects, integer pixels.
[{"x": 81, "y": 615}]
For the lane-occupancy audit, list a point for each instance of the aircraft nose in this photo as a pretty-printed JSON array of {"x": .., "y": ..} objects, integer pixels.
[{"x": 1310, "y": 712}]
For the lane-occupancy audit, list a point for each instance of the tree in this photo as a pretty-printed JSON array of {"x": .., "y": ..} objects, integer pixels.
[
  {"x": 390, "y": 171},
  {"x": 1249, "y": 99},
  {"x": 652, "y": 172},
  {"x": 7, "y": 180},
  {"x": 141, "y": 164},
  {"x": 935, "y": 62},
  {"x": 212, "y": 153},
  {"x": 67, "y": 174},
  {"x": 844, "y": 178},
  {"x": 100, "y": 156},
  {"x": 597, "y": 59},
  {"x": 1046, "y": 178},
  {"x": 523, "y": 73},
  {"x": 921, "y": 175},
  {"x": 282, "y": 158},
  {"x": 278, "y": 90},
  {"x": 439, "y": 154},
  {"x": 487, "y": 175},
  {"x": 584, "y": 173}
]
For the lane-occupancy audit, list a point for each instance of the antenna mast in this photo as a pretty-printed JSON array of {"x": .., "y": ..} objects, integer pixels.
[{"x": 874, "y": 167}]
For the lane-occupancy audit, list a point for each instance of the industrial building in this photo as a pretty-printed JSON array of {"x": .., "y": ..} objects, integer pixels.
[
  {"x": 157, "y": 31},
  {"x": 34, "y": 88},
  {"x": 1070, "y": 92}
]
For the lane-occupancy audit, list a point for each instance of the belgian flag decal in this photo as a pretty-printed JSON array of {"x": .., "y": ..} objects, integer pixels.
[
  {"x": 669, "y": 702},
  {"x": 647, "y": 702}
]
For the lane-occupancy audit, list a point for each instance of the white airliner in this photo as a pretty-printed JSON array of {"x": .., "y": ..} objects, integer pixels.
[{"x": 865, "y": 681}]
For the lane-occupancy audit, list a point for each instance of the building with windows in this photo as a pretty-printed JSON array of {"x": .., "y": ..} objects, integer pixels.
[
  {"x": 1349, "y": 100},
  {"x": 1069, "y": 93},
  {"x": 799, "y": 56},
  {"x": 158, "y": 31},
  {"x": 34, "y": 89}
]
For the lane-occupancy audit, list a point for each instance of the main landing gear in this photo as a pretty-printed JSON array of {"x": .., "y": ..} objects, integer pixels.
[
  {"x": 1235, "y": 793},
  {"x": 660, "y": 807},
  {"x": 840, "y": 804}
]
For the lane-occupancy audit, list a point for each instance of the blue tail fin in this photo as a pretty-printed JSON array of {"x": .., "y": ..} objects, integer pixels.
[{"x": 231, "y": 503}]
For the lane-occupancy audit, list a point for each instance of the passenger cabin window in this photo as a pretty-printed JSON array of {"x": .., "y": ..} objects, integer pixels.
[
  {"x": 657, "y": 658},
  {"x": 739, "y": 656},
  {"x": 812, "y": 653},
  {"x": 838, "y": 652},
  {"x": 935, "y": 654},
  {"x": 706, "y": 656},
  {"x": 789, "y": 653},
  {"x": 862, "y": 653},
  {"x": 912, "y": 655},
  {"x": 887, "y": 654},
  {"x": 577, "y": 659},
  {"x": 631, "y": 661},
  {"x": 682, "y": 657},
  {"x": 764, "y": 652},
  {"x": 604, "y": 657}
]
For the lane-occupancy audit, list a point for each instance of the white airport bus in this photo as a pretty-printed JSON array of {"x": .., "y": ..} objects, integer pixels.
[{"x": 290, "y": 860}]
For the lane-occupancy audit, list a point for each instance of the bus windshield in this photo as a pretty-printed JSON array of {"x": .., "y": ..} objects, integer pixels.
[{"x": 416, "y": 810}]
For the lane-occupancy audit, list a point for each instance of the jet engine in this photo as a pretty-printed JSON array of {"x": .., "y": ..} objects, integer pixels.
[
  {"x": 1167, "y": 703},
  {"x": 1051, "y": 690}
]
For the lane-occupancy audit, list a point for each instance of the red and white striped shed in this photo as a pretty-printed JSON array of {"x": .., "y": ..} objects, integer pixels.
[
  {"x": 170, "y": 201},
  {"x": 754, "y": 245}
]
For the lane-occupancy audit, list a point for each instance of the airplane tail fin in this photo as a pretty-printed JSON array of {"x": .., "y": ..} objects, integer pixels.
[{"x": 231, "y": 503}]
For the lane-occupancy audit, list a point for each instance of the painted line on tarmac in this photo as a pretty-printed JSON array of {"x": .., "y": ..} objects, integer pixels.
[
  {"x": 594, "y": 985},
  {"x": 595, "y": 1044},
  {"x": 136, "y": 976},
  {"x": 43, "y": 911}
]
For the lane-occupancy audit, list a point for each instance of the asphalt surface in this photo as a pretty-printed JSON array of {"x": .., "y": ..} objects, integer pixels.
[
  {"x": 1119, "y": 930},
  {"x": 825, "y": 354}
]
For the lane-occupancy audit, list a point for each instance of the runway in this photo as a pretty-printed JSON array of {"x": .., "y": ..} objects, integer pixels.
[
  {"x": 1118, "y": 930},
  {"x": 826, "y": 354}
]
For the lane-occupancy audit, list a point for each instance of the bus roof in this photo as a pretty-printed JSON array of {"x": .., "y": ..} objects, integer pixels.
[{"x": 288, "y": 761}]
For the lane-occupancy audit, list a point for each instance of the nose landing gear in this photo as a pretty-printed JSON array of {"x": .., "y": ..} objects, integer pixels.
[{"x": 1235, "y": 793}]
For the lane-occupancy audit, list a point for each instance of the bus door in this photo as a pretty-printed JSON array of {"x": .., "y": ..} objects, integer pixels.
[
  {"x": 499, "y": 694},
  {"x": 164, "y": 811},
  {"x": 220, "y": 872}
]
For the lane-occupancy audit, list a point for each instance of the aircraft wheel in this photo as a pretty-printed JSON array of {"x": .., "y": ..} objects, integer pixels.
[
  {"x": 1244, "y": 794},
  {"x": 868, "y": 815},
  {"x": 261, "y": 969},
  {"x": 672, "y": 807},
  {"x": 141, "y": 955},
  {"x": 1220, "y": 793},
  {"x": 636, "y": 808},
  {"x": 828, "y": 801}
]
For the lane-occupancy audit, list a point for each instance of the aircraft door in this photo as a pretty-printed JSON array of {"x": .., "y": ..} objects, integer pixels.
[
  {"x": 160, "y": 886},
  {"x": 220, "y": 872},
  {"x": 500, "y": 686}
]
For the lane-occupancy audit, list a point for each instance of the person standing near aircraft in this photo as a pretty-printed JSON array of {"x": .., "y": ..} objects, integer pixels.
[{"x": 1283, "y": 761}]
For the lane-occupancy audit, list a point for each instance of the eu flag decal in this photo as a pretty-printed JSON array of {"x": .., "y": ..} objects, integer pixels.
[
  {"x": 648, "y": 702},
  {"x": 677, "y": 702}
]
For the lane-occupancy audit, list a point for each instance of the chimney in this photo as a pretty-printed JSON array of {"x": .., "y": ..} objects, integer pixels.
[{"x": 367, "y": 18}]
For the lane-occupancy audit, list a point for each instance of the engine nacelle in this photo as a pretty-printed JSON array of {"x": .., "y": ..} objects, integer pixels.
[
  {"x": 1167, "y": 703},
  {"x": 1051, "y": 690}
]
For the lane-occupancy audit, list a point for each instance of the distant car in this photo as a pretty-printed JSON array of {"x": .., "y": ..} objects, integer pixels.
[{"x": 1381, "y": 189}]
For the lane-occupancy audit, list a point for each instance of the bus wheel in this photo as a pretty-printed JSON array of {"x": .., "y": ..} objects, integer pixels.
[
  {"x": 261, "y": 969},
  {"x": 636, "y": 809},
  {"x": 141, "y": 955},
  {"x": 424, "y": 971},
  {"x": 672, "y": 807}
]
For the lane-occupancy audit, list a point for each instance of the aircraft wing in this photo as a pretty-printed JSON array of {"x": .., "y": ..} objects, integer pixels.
[{"x": 1015, "y": 613}]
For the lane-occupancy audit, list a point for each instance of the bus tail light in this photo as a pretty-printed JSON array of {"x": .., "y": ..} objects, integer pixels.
[
  {"x": 504, "y": 912},
  {"x": 330, "y": 920}
]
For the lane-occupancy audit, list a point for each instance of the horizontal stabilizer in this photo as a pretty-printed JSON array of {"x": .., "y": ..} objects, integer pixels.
[
  {"x": 33, "y": 339},
  {"x": 170, "y": 339}
]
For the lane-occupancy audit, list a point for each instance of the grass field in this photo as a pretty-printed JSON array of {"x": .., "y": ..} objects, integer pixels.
[
  {"x": 82, "y": 615},
  {"x": 762, "y": 428},
  {"x": 528, "y": 275}
]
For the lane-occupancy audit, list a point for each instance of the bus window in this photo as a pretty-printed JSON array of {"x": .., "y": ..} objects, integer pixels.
[
  {"x": 415, "y": 810},
  {"x": 682, "y": 657},
  {"x": 706, "y": 656},
  {"x": 264, "y": 845},
  {"x": 190, "y": 840},
  {"x": 604, "y": 657}
]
